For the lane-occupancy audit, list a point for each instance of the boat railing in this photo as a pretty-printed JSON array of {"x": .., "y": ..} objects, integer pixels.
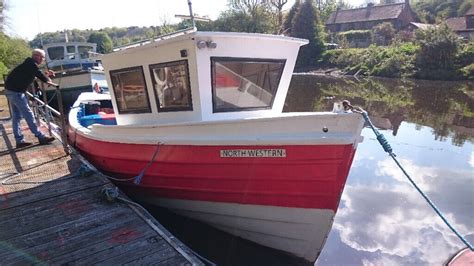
[
  {"x": 54, "y": 120},
  {"x": 160, "y": 37}
]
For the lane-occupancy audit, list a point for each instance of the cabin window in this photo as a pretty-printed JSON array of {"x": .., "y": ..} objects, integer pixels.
[
  {"x": 71, "y": 51},
  {"x": 56, "y": 53},
  {"x": 171, "y": 86},
  {"x": 130, "y": 91},
  {"x": 242, "y": 84},
  {"x": 84, "y": 51}
]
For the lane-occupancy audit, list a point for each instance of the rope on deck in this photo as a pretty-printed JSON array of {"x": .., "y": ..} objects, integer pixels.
[{"x": 387, "y": 148}]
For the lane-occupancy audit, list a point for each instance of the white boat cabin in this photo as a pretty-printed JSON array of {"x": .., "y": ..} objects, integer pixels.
[
  {"x": 71, "y": 56},
  {"x": 201, "y": 76}
]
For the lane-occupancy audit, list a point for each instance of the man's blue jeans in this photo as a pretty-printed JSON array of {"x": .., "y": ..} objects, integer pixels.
[{"x": 20, "y": 108}]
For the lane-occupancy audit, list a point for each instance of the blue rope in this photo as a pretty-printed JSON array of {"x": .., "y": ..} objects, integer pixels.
[
  {"x": 138, "y": 178},
  {"x": 386, "y": 146}
]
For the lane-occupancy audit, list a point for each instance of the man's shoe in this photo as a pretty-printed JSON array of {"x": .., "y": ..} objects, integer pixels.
[
  {"x": 46, "y": 140},
  {"x": 23, "y": 144}
]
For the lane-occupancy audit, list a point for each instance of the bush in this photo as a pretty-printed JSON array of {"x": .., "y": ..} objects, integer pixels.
[
  {"x": 383, "y": 33},
  {"x": 465, "y": 55},
  {"x": 468, "y": 72},
  {"x": 438, "y": 48}
]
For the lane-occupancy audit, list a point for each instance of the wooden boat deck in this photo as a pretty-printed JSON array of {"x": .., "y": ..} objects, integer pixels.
[{"x": 51, "y": 214}]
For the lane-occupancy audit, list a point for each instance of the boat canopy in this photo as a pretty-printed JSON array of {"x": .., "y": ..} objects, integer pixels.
[
  {"x": 201, "y": 76},
  {"x": 70, "y": 56}
]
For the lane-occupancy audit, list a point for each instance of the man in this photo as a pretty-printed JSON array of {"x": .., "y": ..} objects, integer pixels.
[{"x": 18, "y": 81}]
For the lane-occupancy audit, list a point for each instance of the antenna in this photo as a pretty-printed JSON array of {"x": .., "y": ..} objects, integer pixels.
[
  {"x": 39, "y": 25},
  {"x": 191, "y": 14}
]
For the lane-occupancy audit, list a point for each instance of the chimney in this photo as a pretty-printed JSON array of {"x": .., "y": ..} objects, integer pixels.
[
  {"x": 335, "y": 14},
  {"x": 369, "y": 8}
]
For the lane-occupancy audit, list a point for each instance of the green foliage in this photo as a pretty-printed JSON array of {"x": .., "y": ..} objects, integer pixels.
[
  {"x": 103, "y": 41},
  {"x": 240, "y": 21},
  {"x": 353, "y": 35},
  {"x": 432, "y": 11},
  {"x": 258, "y": 16},
  {"x": 307, "y": 25},
  {"x": 288, "y": 24},
  {"x": 466, "y": 54},
  {"x": 12, "y": 52},
  {"x": 468, "y": 72},
  {"x": 392, "y": 61},
  {"x": 438, "y": 48},
  {"x": 383, "y": 33}
]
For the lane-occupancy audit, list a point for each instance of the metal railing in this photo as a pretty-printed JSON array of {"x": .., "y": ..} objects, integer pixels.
[{"x": 54, "y": 120}]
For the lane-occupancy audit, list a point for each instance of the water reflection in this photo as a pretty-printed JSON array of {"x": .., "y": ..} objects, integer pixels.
[
  {"x": 382, "y": 219},
  {"x": 447, "y": 107}
]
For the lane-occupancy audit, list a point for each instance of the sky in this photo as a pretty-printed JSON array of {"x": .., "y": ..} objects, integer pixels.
[{"x": 26, "y": 18}]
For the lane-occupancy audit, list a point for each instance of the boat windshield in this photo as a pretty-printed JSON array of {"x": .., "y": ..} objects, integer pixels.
[{"x": 242, "y": 84}]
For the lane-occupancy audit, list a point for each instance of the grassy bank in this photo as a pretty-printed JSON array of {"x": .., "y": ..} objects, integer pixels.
[
  {"x": 436, "y": 53},
  {"x": 402, "y": 60}
]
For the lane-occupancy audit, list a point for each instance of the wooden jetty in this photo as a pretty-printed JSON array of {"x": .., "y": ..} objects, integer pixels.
[{"x": 53, "y": 211}]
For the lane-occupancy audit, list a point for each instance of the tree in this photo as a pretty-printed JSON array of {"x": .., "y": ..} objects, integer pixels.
[
  {"x": 248, "y": 6},
  {"x": 278, "y": 5},
  {"x": 288, "y": 24},
  {"x": 438, "y": 48},
  {"x": 239, "y": 21},
  {"x": 307, "y": 25},
  {"x": 257, "y": 12},
  {"x": 384, "y": 33},
  {"x": 12, "y": 52},
  {"x": 431, "y": 11},
  {"x": 103, "y": 41}
]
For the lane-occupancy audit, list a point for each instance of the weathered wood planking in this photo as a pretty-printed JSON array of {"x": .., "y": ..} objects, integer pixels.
[{"x": 49, "y": 214}]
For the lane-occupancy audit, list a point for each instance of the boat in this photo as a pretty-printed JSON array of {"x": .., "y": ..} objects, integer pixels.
[
  {"x": 77, "y": 69},
  {"x": 194, "y": 123}
]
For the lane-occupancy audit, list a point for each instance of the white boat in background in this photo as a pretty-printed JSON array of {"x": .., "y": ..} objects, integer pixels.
[
  {"x": 197, "y": 120},
  {"x": 77, "y": 69}
]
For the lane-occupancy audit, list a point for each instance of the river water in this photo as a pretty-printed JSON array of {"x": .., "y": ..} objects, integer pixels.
[{"x": 382, "y": 219}]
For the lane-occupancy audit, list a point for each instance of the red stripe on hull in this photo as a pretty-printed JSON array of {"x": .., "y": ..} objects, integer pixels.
[{"x": 310, "y": 176}]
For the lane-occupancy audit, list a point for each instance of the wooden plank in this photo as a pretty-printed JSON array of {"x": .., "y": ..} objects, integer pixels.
[
  {"x": 67, "y": 237},
  {"x": 67, "y": 204},
  {"x": 163, "y": 249},
  {"x": 106, "y": 249},
  {"x": 48, "y": 190}
]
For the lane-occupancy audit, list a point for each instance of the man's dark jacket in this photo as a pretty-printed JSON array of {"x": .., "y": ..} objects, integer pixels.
[{"x": 23, "y": 75}]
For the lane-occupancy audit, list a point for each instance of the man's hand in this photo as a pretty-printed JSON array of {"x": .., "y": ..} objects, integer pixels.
[{"x": 49, "y": 73}]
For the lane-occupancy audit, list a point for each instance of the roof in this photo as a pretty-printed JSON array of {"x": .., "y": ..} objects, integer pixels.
[
  {"x": 376, "y": 12},
  {"x": 470, "y": 12},
  {"x": 458, "y": 24},
  {"x": 422, "y": 26}
]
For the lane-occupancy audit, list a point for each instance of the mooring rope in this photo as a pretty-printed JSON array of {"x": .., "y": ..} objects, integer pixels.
[
  {"x": 139, "y": 177},
  {"x": 387, "y": 148}
]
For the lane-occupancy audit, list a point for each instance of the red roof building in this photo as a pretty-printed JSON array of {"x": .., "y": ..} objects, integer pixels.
[
  {"x": 365, "y": 18},
  {"x": 464, "y": 26}
]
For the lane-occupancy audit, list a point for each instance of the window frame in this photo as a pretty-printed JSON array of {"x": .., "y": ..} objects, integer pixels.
[
  {"x": 189, "y": 90},
  {"x": 128, "y": 69},
  {"x": 243, "y": 59}
]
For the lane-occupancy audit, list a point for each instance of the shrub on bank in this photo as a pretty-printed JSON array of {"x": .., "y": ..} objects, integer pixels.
[{"x": 391, "y": 61}]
